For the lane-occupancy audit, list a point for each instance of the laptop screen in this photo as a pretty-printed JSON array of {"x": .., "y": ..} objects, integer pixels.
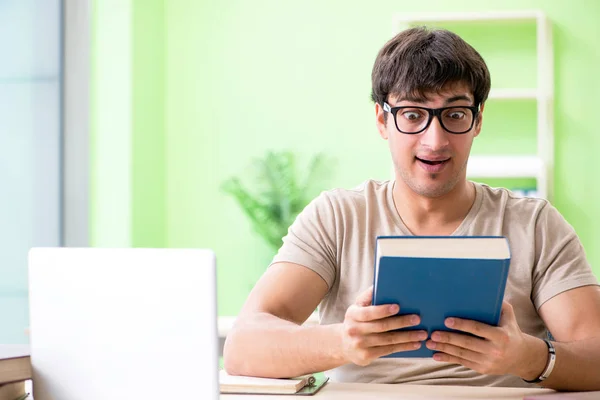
[{"x": 123, "y": 323}]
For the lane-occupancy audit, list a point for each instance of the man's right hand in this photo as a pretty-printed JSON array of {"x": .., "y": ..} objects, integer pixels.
[{"x": 368, "y": 331}]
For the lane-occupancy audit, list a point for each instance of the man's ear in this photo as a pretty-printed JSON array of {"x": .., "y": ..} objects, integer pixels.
[
  {"x": 479, "y": 120},
  {"x": 380, "y": 121}
]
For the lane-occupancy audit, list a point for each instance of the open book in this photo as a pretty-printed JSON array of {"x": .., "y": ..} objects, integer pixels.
[{"x": 306, "y": 384}]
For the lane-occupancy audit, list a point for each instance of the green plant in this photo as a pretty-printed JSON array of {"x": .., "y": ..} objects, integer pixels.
[{"x": 278, "y": 194}]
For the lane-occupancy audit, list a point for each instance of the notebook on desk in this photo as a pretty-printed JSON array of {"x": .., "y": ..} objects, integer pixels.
[
  {"x": 306, "y": 385},
  {"x": 123, "y": 324}
]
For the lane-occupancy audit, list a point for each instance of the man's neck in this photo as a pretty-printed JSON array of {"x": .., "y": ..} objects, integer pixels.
[{"x": 434, "y": 216}]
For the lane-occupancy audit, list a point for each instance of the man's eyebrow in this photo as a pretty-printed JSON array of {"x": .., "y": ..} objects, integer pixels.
[
  {"x": 420, "y": 99},
  {"x": 412, "y": 98},
  {"x": 457, "y": 98}
]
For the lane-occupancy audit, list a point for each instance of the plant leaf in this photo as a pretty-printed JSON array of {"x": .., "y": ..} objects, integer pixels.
[{"x": 279, "y": 195}]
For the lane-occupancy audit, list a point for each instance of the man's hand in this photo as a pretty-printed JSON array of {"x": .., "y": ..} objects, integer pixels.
[
  {"x": 497, "y": 351},
  {"x": 366, "y": 330}
]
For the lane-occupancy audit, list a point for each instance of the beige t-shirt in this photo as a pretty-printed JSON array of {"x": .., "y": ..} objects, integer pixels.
[{"x": 335, "y": 237}]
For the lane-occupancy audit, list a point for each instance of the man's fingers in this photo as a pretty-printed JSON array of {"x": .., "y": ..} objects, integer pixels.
[
  {"x": 394, "y": 338},
  {"x": 381, "y": 351},
  {"x": 378, "y": 319},
  {"x": 459, "y": 352},
  {"x": 365, "y": 298},
  {"x": 476, "y": 328},
  {"x": 447, "y": 358},
  {"x": 395, "y": 322},
  {"x": 461, "y": 340},
  {"x": 371, "y": 313}
]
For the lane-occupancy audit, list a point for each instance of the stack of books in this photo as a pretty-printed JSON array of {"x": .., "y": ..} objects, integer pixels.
[{"x": 15, "y": 371}]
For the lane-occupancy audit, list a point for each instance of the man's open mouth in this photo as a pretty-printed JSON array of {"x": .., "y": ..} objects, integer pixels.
[{"x": 432, "y": 162}]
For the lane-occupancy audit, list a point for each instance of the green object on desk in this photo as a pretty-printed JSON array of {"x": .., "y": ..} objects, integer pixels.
[{"x": 320, "y": 381}]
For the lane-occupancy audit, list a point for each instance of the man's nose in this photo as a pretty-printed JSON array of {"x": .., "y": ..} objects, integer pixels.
[{"x": 435, "y": 137}]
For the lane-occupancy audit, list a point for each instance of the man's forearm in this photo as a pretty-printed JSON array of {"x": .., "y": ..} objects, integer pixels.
[
  {"x": 577, "y": 366},
  {"x": 267, "y": 346}
]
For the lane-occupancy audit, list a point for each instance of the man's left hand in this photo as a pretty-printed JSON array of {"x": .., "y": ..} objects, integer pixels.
[{"x": 496, "y": 351}]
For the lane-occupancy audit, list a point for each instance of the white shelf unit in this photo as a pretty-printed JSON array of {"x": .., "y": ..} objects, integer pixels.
[
  {"x": 504, "y": 166},
  {"x": 541, "y": 164},
  {"x": 513, "y": 94}
]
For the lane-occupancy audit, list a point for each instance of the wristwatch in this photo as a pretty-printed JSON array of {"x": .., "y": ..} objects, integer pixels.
[{"x": 549, "y": 365}]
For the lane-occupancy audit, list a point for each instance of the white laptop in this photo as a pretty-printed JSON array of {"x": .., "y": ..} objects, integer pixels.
[{"x": 116, "y": 324}]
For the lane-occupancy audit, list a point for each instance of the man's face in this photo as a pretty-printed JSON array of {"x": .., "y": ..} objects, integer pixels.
[{"x": 432, "y": 162}]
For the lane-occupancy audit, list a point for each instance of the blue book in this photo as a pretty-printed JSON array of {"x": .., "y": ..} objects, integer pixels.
[{"x": 441, "y": 276}]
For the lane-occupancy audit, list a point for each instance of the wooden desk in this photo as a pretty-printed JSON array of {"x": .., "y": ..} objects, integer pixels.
[{"x": 367, "y": 391}]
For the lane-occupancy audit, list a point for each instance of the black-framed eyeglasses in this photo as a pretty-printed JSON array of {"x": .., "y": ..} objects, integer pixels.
[{"x": 412, "y": 119}]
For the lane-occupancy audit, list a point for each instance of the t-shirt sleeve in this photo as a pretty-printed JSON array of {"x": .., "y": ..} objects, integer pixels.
[
  {"x": 561, "y": 263},
  {"x": 310, "y": 240}
]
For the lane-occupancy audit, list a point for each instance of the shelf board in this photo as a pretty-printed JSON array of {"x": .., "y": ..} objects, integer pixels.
[
  {"x": 504, "y": 166},
  {"x": 513, "y": 94},
  {"x": 410, "y": 18}
]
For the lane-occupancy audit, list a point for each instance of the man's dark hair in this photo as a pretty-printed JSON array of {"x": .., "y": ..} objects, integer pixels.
[{"x": 418, "y": 61}]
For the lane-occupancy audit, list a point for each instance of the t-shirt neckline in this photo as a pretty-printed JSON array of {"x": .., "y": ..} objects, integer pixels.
[{"x": 459, "y": 231}]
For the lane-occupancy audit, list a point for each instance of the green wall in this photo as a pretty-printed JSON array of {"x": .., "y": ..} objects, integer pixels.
[
  {"x": 110, "y": 142},
  {"x": 224, "y": 82},
  {"x": 128, "y": 171},
  {"x": 148, "y": 197}
]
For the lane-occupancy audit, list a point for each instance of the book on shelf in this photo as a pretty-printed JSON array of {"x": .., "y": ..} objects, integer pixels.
[
  {"x": 302, "y": 385},
  {"x": 441, "y": 276},
  {"x": 13, "y": 391},
  {"x": 15, "y": 369},
  {"x": 15, "y": 363}
]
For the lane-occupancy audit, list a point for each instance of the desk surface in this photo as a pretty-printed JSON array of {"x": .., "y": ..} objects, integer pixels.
[{"x": 366, "y": 391}]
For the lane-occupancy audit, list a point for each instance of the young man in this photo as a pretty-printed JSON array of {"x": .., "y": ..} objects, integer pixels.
[{"x": 429, "y": 89}]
